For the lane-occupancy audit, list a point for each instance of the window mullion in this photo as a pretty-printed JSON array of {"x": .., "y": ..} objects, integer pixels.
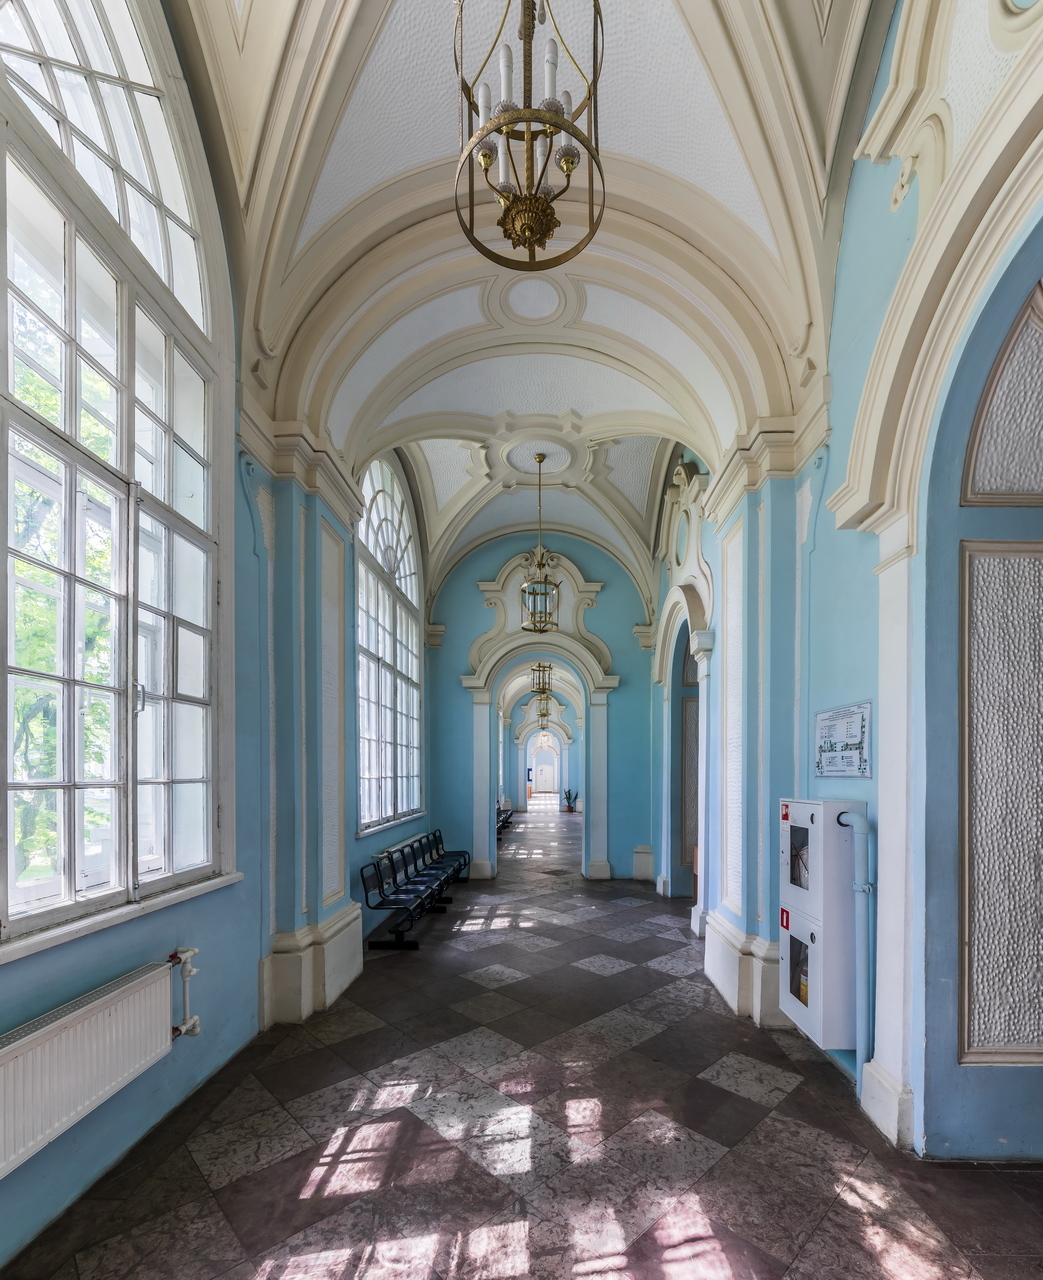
[
  {"x": 131, "y": 701},
  {"x": 5, "y": 842}
]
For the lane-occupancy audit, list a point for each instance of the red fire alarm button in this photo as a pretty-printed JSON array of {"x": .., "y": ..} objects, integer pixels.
[
  {"x": 785, "y": 813},
  {"x": 784, "y": 917}
]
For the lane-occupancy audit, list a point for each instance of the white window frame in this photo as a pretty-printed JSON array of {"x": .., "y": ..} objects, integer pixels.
[
  {"x": 399, "y": 600},
  {"x": 39, "y": 156}
]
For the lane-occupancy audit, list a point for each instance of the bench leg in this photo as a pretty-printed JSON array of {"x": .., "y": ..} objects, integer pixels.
[{"x": 400, "y": 943}]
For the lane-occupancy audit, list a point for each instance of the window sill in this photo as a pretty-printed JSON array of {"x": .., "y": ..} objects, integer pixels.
[
  {"x": 389, "y": 826},
  {"x": 30, "y": 943}
]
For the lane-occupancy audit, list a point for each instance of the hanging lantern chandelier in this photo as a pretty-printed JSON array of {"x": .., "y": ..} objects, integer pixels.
[
  {"x": 539, "y": 593},
  {"x": 541, "y": 677},
  {"x": 520, "y": 160}
]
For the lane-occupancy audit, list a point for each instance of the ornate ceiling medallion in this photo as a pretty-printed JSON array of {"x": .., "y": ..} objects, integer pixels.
[{"x": 541, "y": 152}]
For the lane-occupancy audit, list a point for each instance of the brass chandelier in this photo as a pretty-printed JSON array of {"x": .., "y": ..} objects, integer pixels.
[
  {"x": 541, "y": 677},
  {"x": 539, "y": 593},
  {"x": 521, "y": 159}
]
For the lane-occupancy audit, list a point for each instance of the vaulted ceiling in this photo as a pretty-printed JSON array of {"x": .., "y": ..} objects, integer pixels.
[{"x": 698, "y": 317}]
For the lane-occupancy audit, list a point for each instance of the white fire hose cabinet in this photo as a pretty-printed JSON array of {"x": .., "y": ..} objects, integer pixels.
[{"x": 817, "y": 920}]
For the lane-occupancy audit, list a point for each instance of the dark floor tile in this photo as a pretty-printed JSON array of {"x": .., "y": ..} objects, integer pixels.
[
  {"x": 679, "y": 1048},
  {"x": 991, "y": 1266},
  {"x": 82, "y": 1224},
  {"x": 529, "y": 1027},
  {"x": 635, "y": 982},
  {"x": 304, "y": 1074},
  {"x": 448, "y": 990},
  {"x": 398, "y": 1007},
  {"x": 374, "y": 1048},
  {"x": 975, "y": 1208},
  {"x": 191, "y": 1242},
  {"x": 645, "y": 949},
  {"x": 1027, "y": 1186},
  {"x": 603, "y": 1101},
  {"x": 533, "y": 963},
  {"x": 715, "y": 1113},
  {"x": 582, "y": 1005},
  {"x": 441, "y": 1024},
  {"x": 806, "y": 1105}
]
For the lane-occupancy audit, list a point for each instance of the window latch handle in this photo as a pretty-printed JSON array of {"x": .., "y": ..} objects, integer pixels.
[{"x": 139, "y": 697}]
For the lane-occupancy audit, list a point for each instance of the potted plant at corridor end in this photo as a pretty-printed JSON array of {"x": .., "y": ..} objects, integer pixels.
[{"x": 570, "y": 801}]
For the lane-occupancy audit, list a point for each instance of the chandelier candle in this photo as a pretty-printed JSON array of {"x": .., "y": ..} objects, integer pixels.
[{"x": 544, "y": 152}]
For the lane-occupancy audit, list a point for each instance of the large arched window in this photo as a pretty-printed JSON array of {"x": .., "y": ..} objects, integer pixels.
[
  {"x": 388, "y": 653},
  {"x": 112, "y": 408}
]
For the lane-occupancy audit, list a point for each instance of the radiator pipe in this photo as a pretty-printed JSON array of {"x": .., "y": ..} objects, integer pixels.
[
  {"x": 865, "y": 920},
  {"x": 183, "y": 957}
]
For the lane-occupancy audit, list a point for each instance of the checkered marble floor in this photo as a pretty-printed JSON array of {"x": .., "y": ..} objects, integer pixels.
[{"x": 549, "y": 1088}]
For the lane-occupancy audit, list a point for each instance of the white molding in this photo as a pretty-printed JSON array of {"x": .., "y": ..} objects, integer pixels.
[
  {"x": 310, "y": 967},
  {"x": 888, "y": 1104},
  {"x": 598, "y": 870},
  {"x": 644, "y": 862},
  {"x": 480, "y": 869},
  {"x": 745, "y": 970}
]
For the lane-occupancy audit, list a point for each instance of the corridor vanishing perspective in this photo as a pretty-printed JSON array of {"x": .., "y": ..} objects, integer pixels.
[{"x": 549, "y": 1088}]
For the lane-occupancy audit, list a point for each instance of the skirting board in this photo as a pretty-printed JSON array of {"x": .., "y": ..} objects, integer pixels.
[
  {"x": 745, "y": 970},
  {"x": 599, "y": 870},
  {"x": 887, "y": 1104},
  {"x": 308, "y": 969},
  {"x": 644, "y": 862},
  {"x": 480, "y": 869}
]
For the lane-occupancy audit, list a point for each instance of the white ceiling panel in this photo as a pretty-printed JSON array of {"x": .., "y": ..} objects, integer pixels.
[
  {"x": 457, "y": 310},
  {"x": 532, "y": 384}
]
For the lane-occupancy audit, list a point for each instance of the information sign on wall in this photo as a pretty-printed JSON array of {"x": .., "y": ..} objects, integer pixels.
[{"x": 842, "y": 742}]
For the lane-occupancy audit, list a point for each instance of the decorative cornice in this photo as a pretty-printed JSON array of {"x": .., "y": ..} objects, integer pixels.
[{"x": 292, "y": 451}]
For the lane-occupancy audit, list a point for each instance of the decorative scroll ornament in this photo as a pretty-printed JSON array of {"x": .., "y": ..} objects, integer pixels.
[
  {"x": 520, "y": 160},
  {"x": 539, "y": 592}
]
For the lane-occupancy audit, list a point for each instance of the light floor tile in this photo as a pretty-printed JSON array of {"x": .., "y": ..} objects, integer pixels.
[
  {"x": 247, "y": 1145},
  {"x": 494, "y": 975},
  {"x": 758, "y": 1081},
  {"x": 605, "y": 965}
]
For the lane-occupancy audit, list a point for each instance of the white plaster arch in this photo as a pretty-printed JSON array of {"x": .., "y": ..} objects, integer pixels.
[{"x": 683, "y": 605}]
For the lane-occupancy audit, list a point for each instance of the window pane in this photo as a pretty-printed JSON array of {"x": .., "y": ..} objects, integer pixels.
[
  {"x": 121, "y": 121},
  {"x": 185, "y": 282},
  {"x": 189, "y": 405},
  {"x": 151, "y": 651},
  {"x": 91, "y": 35},
  {"x": 95, "y": 542},
  {"x": 48, "y": 121},
  {"x": 127, "y": 41},
  {"x": 152, "y": 831},
  {"x": 12, "y": 30},
  {"x": 36, "y": 364},
  {"x": 96, "y": 867},
  {"x": 167, "y": 169},
  {"x": 191, "y": 581},
  {"x": 191, "y": 835},
  {"x": 98, "y": 175},
  {"x": 190, "y": 754},
  {"x": 99, "y": 407},
  {"x": 151, "y": 726},
  {"x": 51, "y": 29},
  {"x": 152, "y": 576},
  {"x": 37, "y": 870},
  {"x": 96, "y": 737},
  {"x": 34, "y": 732},
  {"x": 36, "y": 505},
  {"x": 150, "y": 364},
  {"x": 189, "y": 496},
  {"x": 95, "y": 307},
  {"x": 79, "y": 104},
  {"x": 95, "y": 641},
  {"x": 35, "y": 244},
  {"x": 145, "y": 228},
  {"x": 36, "y": 615},
  {"x": 192, "y": 679},
  {"x": 149, "y": 442}
]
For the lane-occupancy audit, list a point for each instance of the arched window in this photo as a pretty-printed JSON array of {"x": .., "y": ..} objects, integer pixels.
[
  {"x": 113, "y": 405},
  {"x": 388, "y": 652}
]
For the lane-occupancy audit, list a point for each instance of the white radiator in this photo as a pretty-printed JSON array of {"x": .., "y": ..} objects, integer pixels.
[{"x": 57, "y": 1068}]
